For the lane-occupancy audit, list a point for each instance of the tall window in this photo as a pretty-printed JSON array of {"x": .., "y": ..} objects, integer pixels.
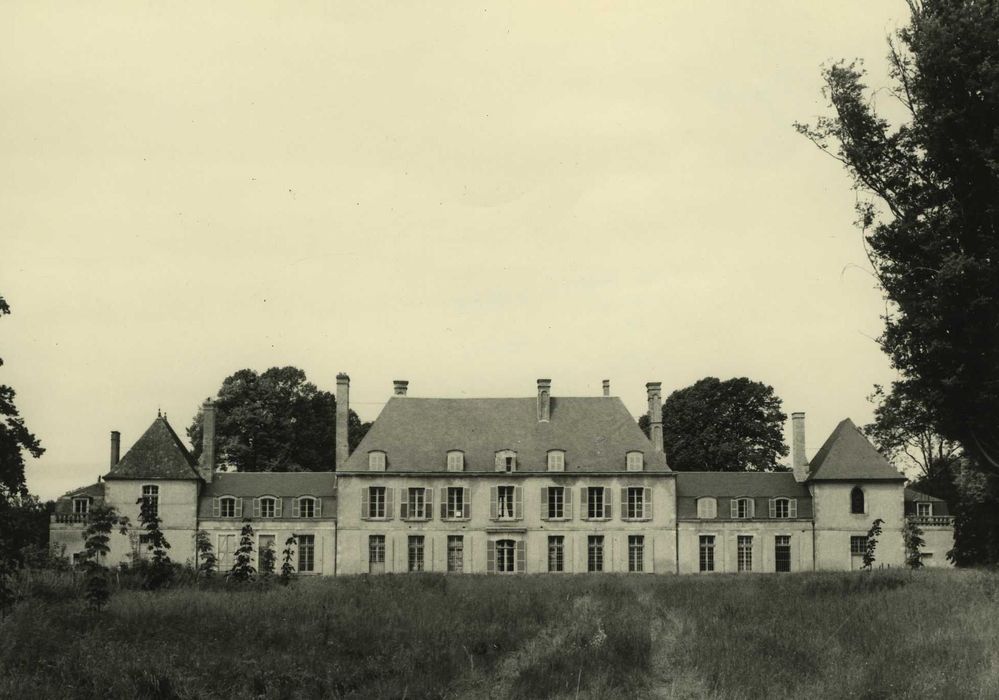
[
  {"x": 745, "y": 552},
  {"x": 376, "y": 554},
  {"x": 924, "y": 509},
  {"x": 306, "y": 507},
  {"x": 416, "y": 552},
  {"x": 266, "y": 543},
  {"x": 636, "y": 553},
  {"x": 455, "y": 461},
  {"x": 707, "y": 508},
  {"x": 376, "y": 496},
  {"x": 376, "y": 461},
  {"x": 504, "y": 502},
  {"x": 506, "y": 556},
  {"x": 225, "y": 552},
  {"x": 742, "y": 507},
  {"x": 857, "y": 500},
  {"x": 455, "y": 553},
  {"x": 596, "y": 506},
  {"x": 556, "y": 461},
  {"x": 556, "y": 553},
  {"x": 455, "y": 507},
  {"x": 227, "y": 507},
  {"x": 268, "y": 507},
  {"x": 707, "y": 547},
  {"x": 635, "y": 462},
  {"x": 635, "y": 503},
  {"x": 556, "y": 502},
  {"x": 151, "y": 493},
  {"x": 782, "y": 553},
  {"x": 417, "y": 504},
  {"x": 858, "y": 545},
  {"x": 509, "y": 464},
  {"x": 595, "y": 553},
  {"x": 306, "y": 553},
  {"x": 81, "y": 506}
]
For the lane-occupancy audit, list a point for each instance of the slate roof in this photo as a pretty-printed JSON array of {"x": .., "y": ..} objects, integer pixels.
[
  {"x": 847, "y": 455},
  {"x": 64, "y": 504},
  {"x": 416, "y": 434},
  {"x": 732, "y": 484},
  {"x": 158, "y": 454},
  {"x": 271, "y": 484}
]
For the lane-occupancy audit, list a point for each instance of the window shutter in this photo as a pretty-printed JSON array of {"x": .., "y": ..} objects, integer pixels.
[
  {"x": 735, "y": 508},
  {"x": 490, "y": 557},
  {"x": 444, "y": 501},
  {"x": 647, "y": 503},
  {"x": 365, "y": 503},
  {"x": 544, "y": 503},
  {"x": 773, "y": 507},
  {"x": 216, "y": 508},
  {"x": 428, "y": 508},
  {"x": 256, "y": 507},
  {"x": 521, "y": 557},
  {"x": 318, "y": 510},
  {"x": 607, "y": 502},
  {"x": 624, "y": 503},
  {"x": 239, "y": 507},
  {"x": 466, "y": 504},
  {"x": 752, "y": 508},
  {"x": 389, "y": 505},
  {"x": 584, "y": 513},
  {"x": 792, "y": 508},
  {"x": 295, "y": 509},
  {"x": 403, "y": 504},
  {"x": 567, "y": 502},
  {"x": 518, "y": 502},
  {"x": 278, "y": 507},
  {"x": 493, "y": 507}
]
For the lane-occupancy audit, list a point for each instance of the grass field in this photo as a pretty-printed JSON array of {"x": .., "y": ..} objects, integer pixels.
[{"x": 881, "y": 635}]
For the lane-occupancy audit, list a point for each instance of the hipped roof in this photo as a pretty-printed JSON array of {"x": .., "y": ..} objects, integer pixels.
[
  {"x": 158, "y": 454},
  {"x": 847, "y": 455}
]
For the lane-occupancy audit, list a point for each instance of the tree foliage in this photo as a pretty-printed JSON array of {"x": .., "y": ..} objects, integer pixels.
[
  {"x": 275, "y": 421},
  {"x": 242, "y": 568},
  {"x": 731, "y": 425},
  {"x": 287, "y": 556},
  {"x": 912, "y": 537},
  {"x": 15, "y": 438},
  {"x": 872, "y": 543},
  {"x": 929, "y": 209},
  {"x": 101, "y": 520},
  {"x": 159, "y": 570},
  {"x": 205, "y": 554}
]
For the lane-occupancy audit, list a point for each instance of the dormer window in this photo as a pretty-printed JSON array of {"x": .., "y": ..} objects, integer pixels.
[
  {"x": 783, "y": 507},
  {"x": 456, "y": 461},
  {"x": 227, "y": 507},
  {"x": 376, "y": 461},
  {"x": 742, "y": 508},
  {"x": 307, "y": 507},
  {"x": 924, "y": 510},
  {"x": 81, "y": 506},
  {"x": 635, "y": 462},
  {"x": 506, "y": 461},
  {"x": 267, "y": 507},
  {"x": 707, "y": 507},
  {"x": 556, "y": 461}
]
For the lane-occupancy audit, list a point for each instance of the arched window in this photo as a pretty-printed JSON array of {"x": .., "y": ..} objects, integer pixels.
[
  {"x": 227, "y": 507},
  {"x": 857, "y": 500},
  {"x": 635, "y": 462},
  {"x": 707, "y": 507},
  {"x": 307, "y": 507},
  {"x": 742, "y": 508},
  {"x": 267, "y": 507}
]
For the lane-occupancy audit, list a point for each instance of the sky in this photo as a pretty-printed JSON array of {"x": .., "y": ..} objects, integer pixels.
[{"x": 468, "y": 196}]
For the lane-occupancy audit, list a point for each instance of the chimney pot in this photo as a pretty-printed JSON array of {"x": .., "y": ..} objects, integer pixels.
[
  {"x": 115, "y": 448},
  {"x": 342, "y": 412},
  {"x": 607, "y": 387},
  {"x": 544, "y": 400},
  {"x": 799, "y": 462},
  {"x": 654, "y": 390},
  {"x": 400, "y": 386}
]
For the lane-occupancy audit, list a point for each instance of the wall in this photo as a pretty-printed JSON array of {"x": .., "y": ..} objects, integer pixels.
[
  {"x": 324, "y": 530},
  {"x": 726, "y": 533},
  {"x": 939, "y": 540},
  {"x": 177, "y": 508},
  {"x": 835, "y": 524}
]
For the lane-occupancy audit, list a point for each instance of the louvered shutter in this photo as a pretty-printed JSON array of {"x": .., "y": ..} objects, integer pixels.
[
  {"x": 544, "y": 503},
  {"x": 444, "y": 501},
  {"x": 493, "y": 507},
  {"x": 403, "y": 504},
  {"x": 466, "y": 503},
  {"x": 567, "y": 502},
  {"x": 752, "y": 508},
  {"x": 256, "y": 507},
  {"x": 428, "y": 508},
  {"x": 296, "y": 511},
  {"x": 389, "y": 503},
  {"x": 735, "y": 508},
  {"x": 607, "y": 502},
  {"x": 773, "y": 507},
  {"x": 792, "y": 508},
  {"x": 521, "y": 557},
  {"x": 647, "y": 503},
  {"x": 278, "y": 507},
  {"x": 583, "y": 512},
  {"x": 490, "y": 557},
  {"x": 624, "y": 503},
  {"x": 365, "y": 503},
  {"x": 318, "y": 510},
  {"x": 216, "y": 508},
  {"x": 239, "y": 507},
  {"x": 518, "y": 502}
]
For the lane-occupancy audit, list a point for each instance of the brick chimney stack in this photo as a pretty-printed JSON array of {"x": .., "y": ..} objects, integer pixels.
[
  {"x": 607, "y": 387},
  {"x": 654, "y": 390},
  {"x": 206, "y": 468},
  {"x": 399, "y": 387},
  {"x": 799, "y": 463},
  {"x": 342, "y": 411},
  {"x": 115, "y": 448},
  {"x": 544, "y": 400}
]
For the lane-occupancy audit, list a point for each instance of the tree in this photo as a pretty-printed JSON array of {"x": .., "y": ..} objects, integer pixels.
[
  {"x": 287, "y": 568},
  {"x": 731, "y": 425},
  {"x": 267, "y": 560},
  {"x": 275, "y": 421},
  {"x": 15, "y": 438},
  {"x": 205, "y": 554},
  {"x": 159, "y": 571},
  {"x": 242, "y": 568},
  {"x": 928, "y": 209},
  {"x": 912, "y": 536},
  {"x": 872, "y": 543},
  {"x": 101, "y": 520}
]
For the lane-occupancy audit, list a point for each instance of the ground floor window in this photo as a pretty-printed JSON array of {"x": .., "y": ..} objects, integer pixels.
[
  {"x": 306, "y": 553},
  {"x": 858, "y": 545},
  {"x": 376, "y": 554},
  {"x": 506, "y": 559},
  {"x": 455, "y": 553},
  {"x": 224, "y": 553},
  {"x": 266, "y": 554},
  {"x": 782, "y": 553},
  {"x": 636, "y": 553},
  {"x": 416, "y": 552},
  {"x": 707, "y": 553},
  {"x": 745, "y": 549},
  {"x": 556, "y": 553},
  {"x": 595, "y": 553}
]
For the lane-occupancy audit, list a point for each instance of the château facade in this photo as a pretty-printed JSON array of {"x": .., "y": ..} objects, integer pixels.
[{"x": 543, "y": 484}]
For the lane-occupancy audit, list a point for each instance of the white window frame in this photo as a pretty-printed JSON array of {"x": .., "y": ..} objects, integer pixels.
[
  {"x": 743, "y": 564},
  {"x": 707, "y": 507},
  {"x": 377, "y": 461},
  {"x": 316, "y": 507},
  {"x": 503, "y": 513},
  {"x": 152, "y": 492},
  {"x": 736, "y": 508},
  {"x": 635, "y": 461},
  {"x": 384, "y": 492},
  {"x": 455, "y": 461},
  {"x": 223, "y": 501},
  {"x": 924, "y": 504},
  {"x": 790, "y": 510},
  {"x": 273, "y": 501},
  {"x": 556, "y": 460},
  {"x": 85, "y": 501}
]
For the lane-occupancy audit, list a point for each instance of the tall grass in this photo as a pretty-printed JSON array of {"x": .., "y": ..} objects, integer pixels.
[{"x": 881, "y": 635}]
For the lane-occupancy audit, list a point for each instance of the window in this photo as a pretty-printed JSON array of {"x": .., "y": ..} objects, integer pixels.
[
  {"x": 857, "y": 500},
  {"x": 506, "y": 461},
  {"x": 267, "y": 507},
  {"x": 745, "y": 552},
  {"x": 707, "y": 508},
  {"x": 227, "y": 507},
  {"x": 858, "y": 545},
  {"x": 416, "y": 552},
  {"x": 595, "y": 553},
  {"x": 922, "y": 509},
  {"x": 456, "y": 503},
  {"x": 742, "y": 508},
  {"x": 374, "y": 504},
  {"x": 783, "y": 507},
  {"x": 707, "y": 552},
  {"x": 307, "y": 507},
  {"x": 506, "y": 556},
  {"x": 151, "y": 493},
  {"x": 376, "y": 461},
  {"x": 455, "y": 461},
  {"x": 556, "y": 461},
  {"x": 635, "y": 462},
  {"x": 417, "y": 505},
  {"x": 306, "y": 553},
  {"x": 556, "y": 553},
  {"x": 224, "y": 553},
  {"x": 782, "y": 553},
  {"x": 553, "y": 504},
  {"x": 597, "y": 503},
  {"x": 636, "y": 553},
  {"x": 81, "y": 506},
  {"x": 455, "y": 553},
  {"x": 636, "y": 503},
  {"x": 376, "y": 554},
  {"x": 266, "y": 555},
  {"x": 505, "y": 502}
]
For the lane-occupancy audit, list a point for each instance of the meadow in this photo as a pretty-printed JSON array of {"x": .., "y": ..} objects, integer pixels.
[{"x": 893, "y": 634}]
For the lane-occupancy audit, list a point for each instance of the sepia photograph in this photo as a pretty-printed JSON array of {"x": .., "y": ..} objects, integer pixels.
[{"x": 444, "y": 350}]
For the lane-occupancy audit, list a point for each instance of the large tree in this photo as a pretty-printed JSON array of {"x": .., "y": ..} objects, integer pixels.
[
  {"x": 929, "y": 209},
  {"x": 15, "y": 438},
  {"x": 726, "y": 426},
  {"x": 274, "y": 421}
]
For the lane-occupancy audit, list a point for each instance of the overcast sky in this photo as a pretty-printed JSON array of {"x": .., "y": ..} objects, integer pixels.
[{"x": 466, "y": 196}]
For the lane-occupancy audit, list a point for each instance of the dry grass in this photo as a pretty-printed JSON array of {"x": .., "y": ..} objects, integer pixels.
[{"x": 882, "y": 635}]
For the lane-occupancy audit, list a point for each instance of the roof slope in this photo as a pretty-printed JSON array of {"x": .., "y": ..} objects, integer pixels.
[
  {"x": 271, "y": 484},
  {"x": 417, "y": 433},
  {"x": 158, "y": 454},
  {"x": 847, "y": 455},
  {"x": 733, "y": 484},
  {"x": 914, "y": 495}
]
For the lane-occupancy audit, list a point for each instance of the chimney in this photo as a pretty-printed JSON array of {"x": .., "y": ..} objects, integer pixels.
[
  {"x": 607, "y": 387},
  {"x": 655, "y": 415},
  {"x": 115, "y": 448},
  {"x": 544, "y": 400},
  {"x": 207, "y": 466},
  {"x": 799, "y": 463},
  {"x": 399, "y": 387},
  {"x": 342, "y": 411}
]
